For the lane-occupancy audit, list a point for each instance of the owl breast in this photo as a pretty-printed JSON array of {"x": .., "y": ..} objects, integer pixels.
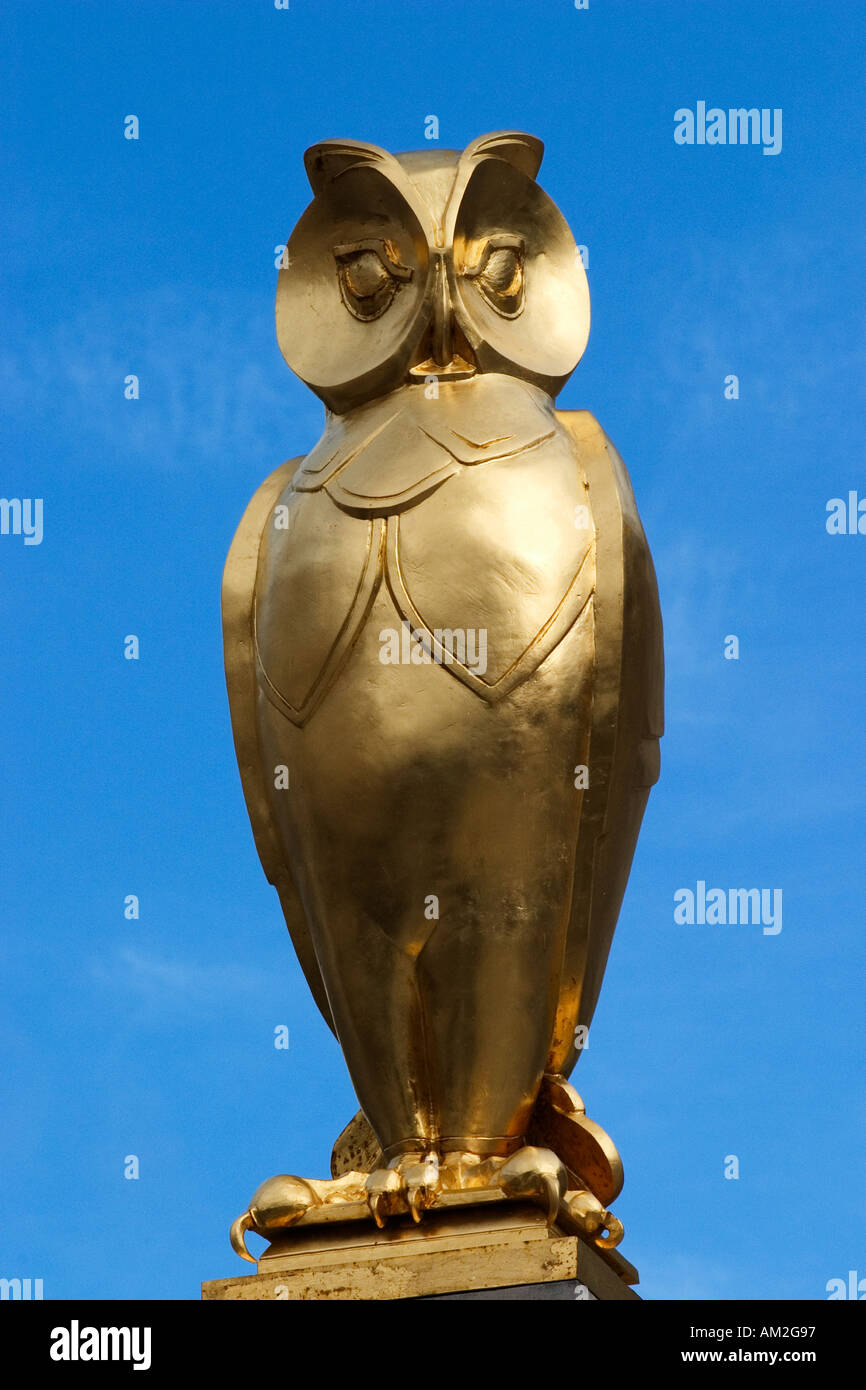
[{"x": 477, "y": 529}]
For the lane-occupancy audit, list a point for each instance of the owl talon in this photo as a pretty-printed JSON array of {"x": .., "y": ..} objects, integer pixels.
[
  {"x": 276, "y": 1205},
  {"x": 537, "y": 1174},
  {"x": 238, "y": 1234},
  {"x": 585, "y": 1214},
  {"x": 422, "y": 1184},
  {"x": 410, "y": 1184},
  {"x": 383, "y": 1188}
]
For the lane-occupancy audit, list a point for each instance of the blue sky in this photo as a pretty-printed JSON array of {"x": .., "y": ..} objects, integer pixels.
[{"x": 156, "y": 257}]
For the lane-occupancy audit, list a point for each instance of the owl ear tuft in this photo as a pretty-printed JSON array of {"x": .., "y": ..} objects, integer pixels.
[
  {"x": 521, "y": 151},
  {"x": 329, "y": 159}
]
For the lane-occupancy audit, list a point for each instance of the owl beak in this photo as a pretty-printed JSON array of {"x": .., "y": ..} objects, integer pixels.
[
  {"x": 444, "y": 358},
  {"x": 443, "y": 318}
]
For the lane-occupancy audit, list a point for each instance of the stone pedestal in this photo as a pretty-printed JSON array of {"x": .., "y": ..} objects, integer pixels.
[{"x": 470, "y": 1253}]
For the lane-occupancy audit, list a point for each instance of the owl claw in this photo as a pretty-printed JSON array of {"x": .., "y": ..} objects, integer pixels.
[
  {"x": 409, "y": 1184},
  {"x": 422, "y": 1184},
  {"x": 383, "y": 1187},
  {"x": 237, "y": 1236},
  {"x": 276, "y": 1205},
  {"x": 537, "y": 1174},
  {"x": 597, "y": 1225},
  {"x": 412, "y": 1183}
]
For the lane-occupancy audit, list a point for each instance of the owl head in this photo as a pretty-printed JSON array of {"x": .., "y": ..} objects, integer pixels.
[{"x": 430, "y": 264}]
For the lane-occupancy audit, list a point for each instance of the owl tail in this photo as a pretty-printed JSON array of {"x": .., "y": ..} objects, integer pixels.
[{"x": 237, "y": 1236}]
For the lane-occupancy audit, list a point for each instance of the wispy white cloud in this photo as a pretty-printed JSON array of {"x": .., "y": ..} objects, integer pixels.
[
  {"x": 168, "y": 982},
  {"x": 766, "y": 306},
  {"x": 698, "y": 580},
  {"x": 212, "y": 383}
]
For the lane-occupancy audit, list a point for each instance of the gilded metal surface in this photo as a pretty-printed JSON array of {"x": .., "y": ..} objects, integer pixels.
[{"x": 433, "y": 622}]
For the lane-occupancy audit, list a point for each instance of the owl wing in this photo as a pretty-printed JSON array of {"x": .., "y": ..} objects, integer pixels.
[
  {"x": 238, "y": 596},
  {"x": 627, "y": 723}
]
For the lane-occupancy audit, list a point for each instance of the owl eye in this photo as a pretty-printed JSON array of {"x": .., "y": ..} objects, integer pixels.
[
  {"x": 498, "y": 274},
  {"x": 370, "y": 274}
]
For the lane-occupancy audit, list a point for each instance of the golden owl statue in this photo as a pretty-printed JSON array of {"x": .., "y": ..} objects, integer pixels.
[{"x": 445, "y": 671}]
